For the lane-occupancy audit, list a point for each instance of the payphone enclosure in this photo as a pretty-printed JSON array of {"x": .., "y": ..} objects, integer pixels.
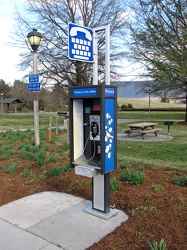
[{"x": 92, "y": 124}]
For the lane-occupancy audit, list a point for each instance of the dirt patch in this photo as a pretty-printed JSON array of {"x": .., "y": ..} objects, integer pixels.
[{"x": 157, "y": 208}]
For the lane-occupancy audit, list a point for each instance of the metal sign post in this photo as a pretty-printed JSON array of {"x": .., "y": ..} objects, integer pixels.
[
  {"x": 93, "y": 120},
  {"x": 107, "y": 54},
  {"x": 33, "y": 88}
]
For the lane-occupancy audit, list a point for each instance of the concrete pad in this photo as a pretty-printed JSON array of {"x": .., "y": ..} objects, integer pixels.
[
  {"x": 74, "y": 229},
  {"x": 14, "y": 238},
  {"x": 32, "y": 209},
  {"x": 105, "y": 216},
  {"x": 53, "y": 221},
  {"x": 50, "y": 247}
]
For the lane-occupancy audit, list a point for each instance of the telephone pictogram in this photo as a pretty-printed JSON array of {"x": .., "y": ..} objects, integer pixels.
[
  {"x": 81, "y": 44},
  {"x": 74, "y": 30}
]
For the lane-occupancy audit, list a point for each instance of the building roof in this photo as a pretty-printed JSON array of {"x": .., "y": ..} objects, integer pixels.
[{"x": 12, "y": 100}]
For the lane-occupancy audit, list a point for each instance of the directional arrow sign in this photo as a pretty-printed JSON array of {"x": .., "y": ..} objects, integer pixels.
[
  {"x": 34, "y": 78},
  {"x": 34, "y": 87}
]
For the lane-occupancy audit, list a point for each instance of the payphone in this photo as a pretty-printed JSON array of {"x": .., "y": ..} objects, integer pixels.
[
  {"x": 92, "y": 113},
  {"x": 93, "y": 137}
]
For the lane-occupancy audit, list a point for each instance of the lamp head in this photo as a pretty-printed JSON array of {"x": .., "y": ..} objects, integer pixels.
[{"x": 34, "y": 38}]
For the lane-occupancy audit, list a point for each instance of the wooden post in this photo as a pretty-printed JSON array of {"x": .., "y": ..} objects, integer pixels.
[
  {"x": 57, "y": 118},
  {"x": 50, "y": 127}
]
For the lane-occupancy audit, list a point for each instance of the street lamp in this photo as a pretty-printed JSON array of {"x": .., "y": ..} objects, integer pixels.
[
  {"x": 2, "y": 103},
  {"x": 149, "y": 91},
  {"x": 34, "y": 38}
]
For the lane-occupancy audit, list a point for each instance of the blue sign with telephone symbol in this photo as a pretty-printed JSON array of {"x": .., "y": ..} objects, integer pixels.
[{"x": 80, "y": 40}]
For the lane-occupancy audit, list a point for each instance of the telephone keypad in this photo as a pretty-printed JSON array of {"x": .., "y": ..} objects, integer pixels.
[{"x": 81, "y": 48}]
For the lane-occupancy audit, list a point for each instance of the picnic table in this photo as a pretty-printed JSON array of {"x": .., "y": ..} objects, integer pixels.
[{"x": 143, "y": 128}]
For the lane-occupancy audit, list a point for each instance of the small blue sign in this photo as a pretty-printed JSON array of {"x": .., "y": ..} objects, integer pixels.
[
  {"x": 109, "y": 92},
  {"x": 34, "y": 78},
  {"x": 85, "y": 92},
  {"x": 34, "y": 87},
  {"x": 80, "y": 43}
]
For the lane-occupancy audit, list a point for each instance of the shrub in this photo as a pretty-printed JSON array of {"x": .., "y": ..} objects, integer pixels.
[
  {"x": 53, "y": 149},
  {"x": 123, "y": 165},
  {"x": 157, "y": 246},
  {"x": 42, "y": 177},
  {"x": 129, "y": 106},
  {"x": 28, "y": 156},
  {"x": 40, "y": 157},
  {"x": 8, "y": 154},
  {"x": 35, "y": 149},
  {"x": 53, "y": 140},
  {"x": 157, "y": 188},
  {"x": 180, "y": 180},
  {"x": 55, "y": 171},
  {"x": 43, "y": 136},
  {"x": 26, "y": 172},
  {"x": 130, "y": 176},
  {"x": 114, "y": 184},
  {"x": 2, "y": 167},
  {"x": 66, "y": 167},
  {"x": 52, "y": 158},
  {"x": 141, "y": 166},
  {"x": 12, "y": 168},
  {"x": 65, "y": 145},
  {"x": 40, "y": 161},
  {"x": 123, "y": 106}
]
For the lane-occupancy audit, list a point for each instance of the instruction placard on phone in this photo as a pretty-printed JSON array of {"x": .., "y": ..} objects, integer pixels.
[{"x": 80, "y": 41}]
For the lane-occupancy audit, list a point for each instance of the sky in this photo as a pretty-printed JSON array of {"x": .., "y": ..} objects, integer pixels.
[
  {"x": 9, "y": 55},
  {"x": 10, "y": 59}
]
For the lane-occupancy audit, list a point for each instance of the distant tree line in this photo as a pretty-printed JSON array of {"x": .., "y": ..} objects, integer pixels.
[{"x": 49, "y": 99}]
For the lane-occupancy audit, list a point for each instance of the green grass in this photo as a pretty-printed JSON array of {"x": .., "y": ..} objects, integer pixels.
[
  {"x": 131, "y": 176},
  {"x": 154, "y": 115},
  {"x": 26, "y": 121},
  {"x": 170, "y": 153}
]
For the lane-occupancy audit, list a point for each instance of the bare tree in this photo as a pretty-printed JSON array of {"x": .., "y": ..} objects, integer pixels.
[
  {"x": 159, "y": 34},
  {"x": 51, "y": 18}
]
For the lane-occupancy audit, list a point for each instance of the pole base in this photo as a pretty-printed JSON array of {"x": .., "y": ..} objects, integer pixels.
[{"x": 102, "y": 215}]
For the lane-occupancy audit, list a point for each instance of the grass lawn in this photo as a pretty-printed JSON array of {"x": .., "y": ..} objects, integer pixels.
[{"x": 26, "y": 121}]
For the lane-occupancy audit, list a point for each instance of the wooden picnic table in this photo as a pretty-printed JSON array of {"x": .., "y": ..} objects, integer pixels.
[
  {"x": 142, "y": 125},
  {"x": 142, "y": 128}
]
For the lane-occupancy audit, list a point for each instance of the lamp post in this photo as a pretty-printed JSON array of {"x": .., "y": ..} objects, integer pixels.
[
  {"x": 2, "y": 103},
  {"x": 149, "y": 91},
  {"x": 34, "y": 38}
]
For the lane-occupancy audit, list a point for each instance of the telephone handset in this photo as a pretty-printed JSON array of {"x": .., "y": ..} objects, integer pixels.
[
  {"x": 74, "y": 30},
  {"x": 94, "y": 129}
]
